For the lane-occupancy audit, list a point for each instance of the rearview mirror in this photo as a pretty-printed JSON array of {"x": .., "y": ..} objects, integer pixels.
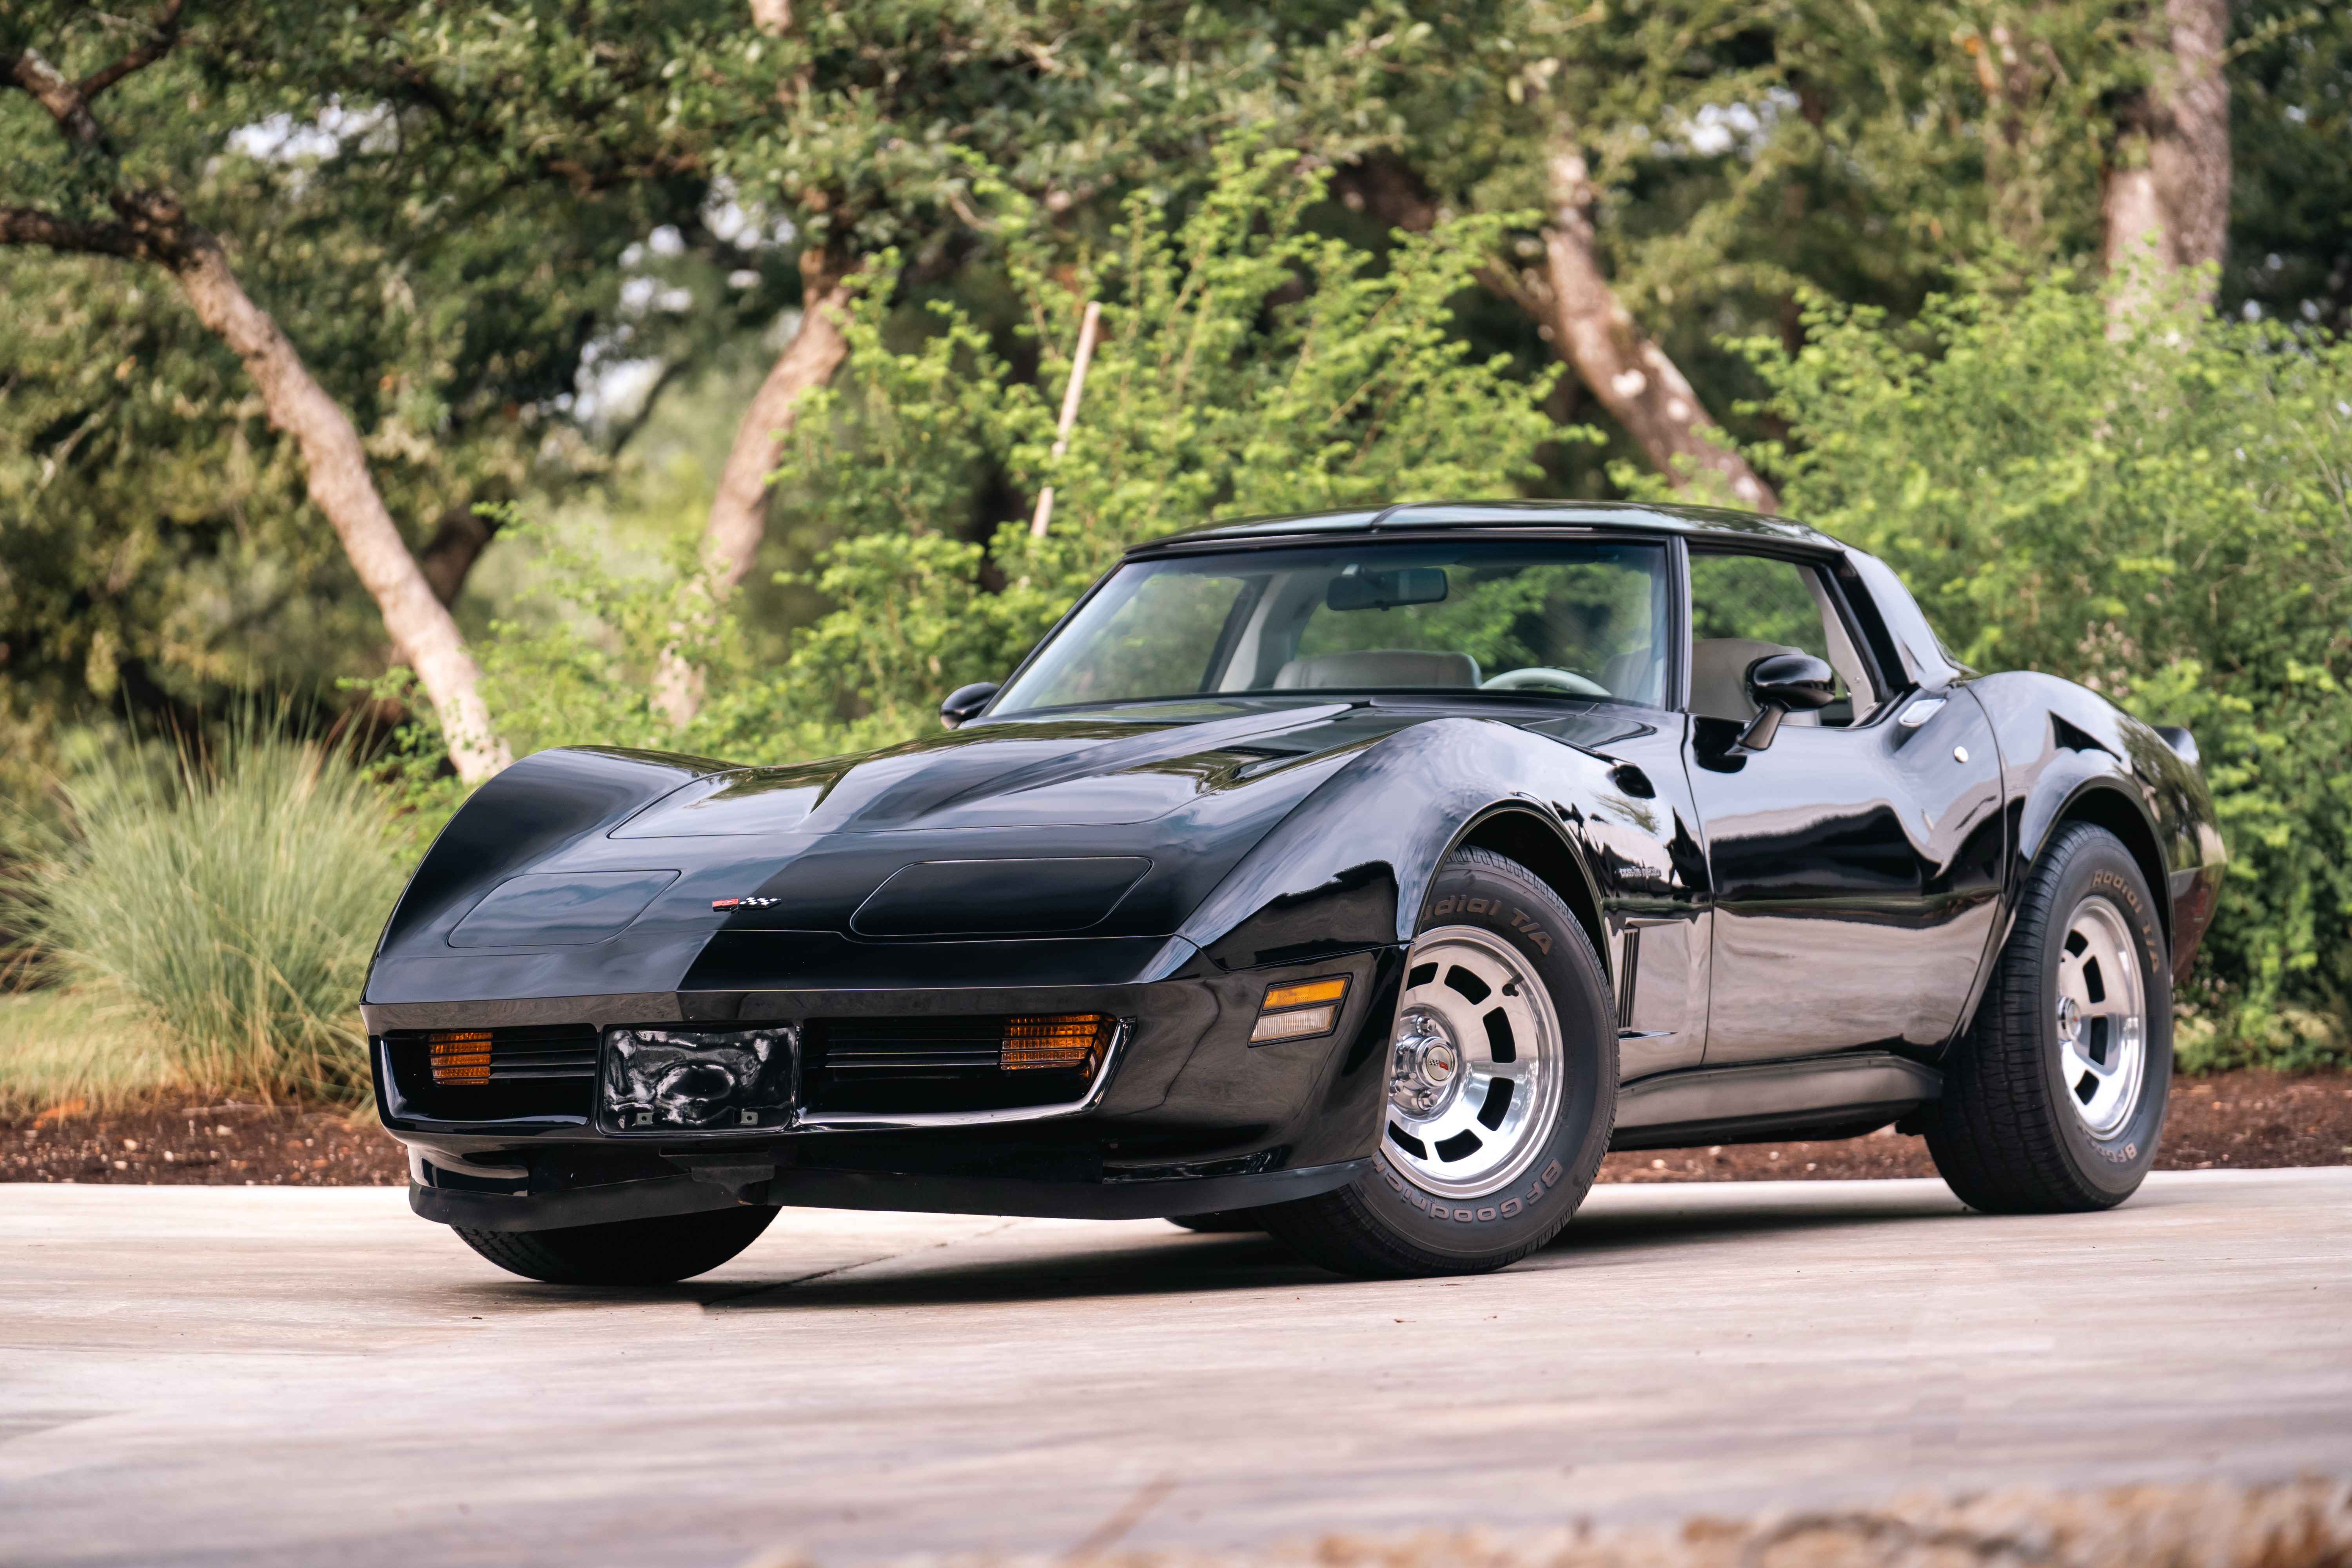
[
  {"x": 964, "y": 703},
  {"x": 1779, "y": 682},
  {"x": 1356, "y": 590}
]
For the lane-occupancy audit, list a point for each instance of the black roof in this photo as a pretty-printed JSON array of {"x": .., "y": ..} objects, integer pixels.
[{"x": 1685, "y": 520}]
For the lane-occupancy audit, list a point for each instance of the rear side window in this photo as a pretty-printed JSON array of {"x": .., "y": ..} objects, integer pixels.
[{"x": 1745, "y": 607}]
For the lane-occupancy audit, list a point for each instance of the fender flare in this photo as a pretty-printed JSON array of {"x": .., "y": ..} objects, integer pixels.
[
  {"x": 2104, "y": 786},
  {"x": 1555, "y": 849}
]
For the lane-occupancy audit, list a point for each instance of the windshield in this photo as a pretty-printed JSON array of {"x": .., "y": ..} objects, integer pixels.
[{"x": 1564, "y": 619}]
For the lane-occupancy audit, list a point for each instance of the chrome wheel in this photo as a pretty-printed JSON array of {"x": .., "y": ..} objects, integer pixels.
[
  {"x": 2101, "y": 1017},
  {"x": 1475, "y": 1067}
]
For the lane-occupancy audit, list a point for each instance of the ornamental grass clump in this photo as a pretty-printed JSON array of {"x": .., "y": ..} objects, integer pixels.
[{"x": 232, "y": 897}]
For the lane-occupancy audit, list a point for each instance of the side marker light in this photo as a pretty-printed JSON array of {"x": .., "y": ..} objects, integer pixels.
[
  {"x": 1304, "y": 993},
  {"x": 1299, "y": 1010},
  {"x": 1301, "y": 1025}
]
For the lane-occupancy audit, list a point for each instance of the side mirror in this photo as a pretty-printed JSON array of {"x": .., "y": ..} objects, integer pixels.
[
  {"x": 964, "y": 703},
  {"x": 1779, "y": 682}
]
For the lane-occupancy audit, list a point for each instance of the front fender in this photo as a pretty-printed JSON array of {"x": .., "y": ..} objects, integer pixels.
[
  {"x": 1352, "y": 864},
  {"x": 542, "y": 805}
]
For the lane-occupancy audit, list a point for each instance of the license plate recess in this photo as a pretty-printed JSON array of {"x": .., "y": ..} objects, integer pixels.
[{"x": 668, "y": 1082}]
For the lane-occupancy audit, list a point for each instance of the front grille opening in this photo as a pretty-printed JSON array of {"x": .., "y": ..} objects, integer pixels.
[
  {"x": 898, "y": 1066},
  {"x": 495, "y": 1075},
  {"x": 874, "y": 1066}
]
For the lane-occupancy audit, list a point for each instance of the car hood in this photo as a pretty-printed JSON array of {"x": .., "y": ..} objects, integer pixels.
[
  {"x": 579, "y": 872},
  {"x": 1066, "y": 773}
]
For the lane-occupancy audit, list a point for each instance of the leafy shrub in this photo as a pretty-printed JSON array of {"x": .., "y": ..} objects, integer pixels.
[
  {"x": 2160, "y": 506},
  {"x": 232, "y": 900}
]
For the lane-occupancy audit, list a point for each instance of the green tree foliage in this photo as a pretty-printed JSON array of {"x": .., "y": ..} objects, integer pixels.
[
  {"x": 160, "y": 546},
  {"x": 2291, "y": 185},
  {"x": 2163, "y": 514},
  {"x": 1248, "y": 366}
]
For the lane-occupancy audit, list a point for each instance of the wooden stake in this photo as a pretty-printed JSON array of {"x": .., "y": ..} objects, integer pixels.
[{"x": 1077, "y": 389}]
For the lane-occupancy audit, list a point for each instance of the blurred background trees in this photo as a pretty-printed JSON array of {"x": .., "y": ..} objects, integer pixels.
[{"x": 698, "y": 361}]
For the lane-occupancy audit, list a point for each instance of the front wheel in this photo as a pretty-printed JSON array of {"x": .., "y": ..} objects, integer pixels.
[
  {"x": 1501, "y": 1089},
  {"x": 2056, "y": 1095},
  {"x": 659, "y": 1251}
]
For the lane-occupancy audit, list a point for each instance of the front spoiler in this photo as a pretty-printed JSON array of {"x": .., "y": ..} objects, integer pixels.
[{"x": 881, "y": 1190}]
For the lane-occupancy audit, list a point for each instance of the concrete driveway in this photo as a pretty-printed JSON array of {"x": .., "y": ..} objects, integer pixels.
[{"x": 259, "y": 1376}]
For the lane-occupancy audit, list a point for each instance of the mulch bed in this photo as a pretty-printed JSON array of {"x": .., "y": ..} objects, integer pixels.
[
  {"x": 205, "y": 1145},
  {"x": 2239, "y": 1120}
]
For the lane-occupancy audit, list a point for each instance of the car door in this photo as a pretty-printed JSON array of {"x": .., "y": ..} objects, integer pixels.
[{"x": 1855, "y": 859}]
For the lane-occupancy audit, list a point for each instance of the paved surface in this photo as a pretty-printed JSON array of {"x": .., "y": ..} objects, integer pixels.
[{"x": 263, "y": 1377}]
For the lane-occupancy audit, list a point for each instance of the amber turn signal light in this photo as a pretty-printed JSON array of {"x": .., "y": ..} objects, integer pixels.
[
  {"x": 1304, "y": 993},
  {"x": 1300, "y": 1010},
  {"x": 462, "y": 1057},
  {"x": 1056, "y": 1040}
]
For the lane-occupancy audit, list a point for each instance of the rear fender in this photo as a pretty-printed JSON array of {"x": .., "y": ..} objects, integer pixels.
[{"x": 2067, "y": 755}]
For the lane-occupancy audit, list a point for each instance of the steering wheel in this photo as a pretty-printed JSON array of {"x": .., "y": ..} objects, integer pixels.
[{"x": 1540, "y": 677}]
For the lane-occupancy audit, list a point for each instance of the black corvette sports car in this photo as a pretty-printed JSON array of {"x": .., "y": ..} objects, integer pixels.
[{"x": 1362, "y": 877}]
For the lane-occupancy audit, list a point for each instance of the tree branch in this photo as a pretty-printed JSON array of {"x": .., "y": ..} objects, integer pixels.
[
  {"x": 61, "y": 98},
  {"x": 27, "y": 225},
  {"x": 166, "y": 33}
]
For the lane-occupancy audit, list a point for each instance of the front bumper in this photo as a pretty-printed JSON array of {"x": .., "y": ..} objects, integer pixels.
[
  {"x": 1187, "y": 1117},
  {"x": 875, "y": 1190}
]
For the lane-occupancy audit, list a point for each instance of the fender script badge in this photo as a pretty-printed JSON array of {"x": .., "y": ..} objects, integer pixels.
[{"x": 745, "y": 903}]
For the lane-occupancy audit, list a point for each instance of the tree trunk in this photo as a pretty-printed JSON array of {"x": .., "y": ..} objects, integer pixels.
[
  {"x": 2172, "y": 175},
  {"x": 450, "y": 556},
  {"x": 336, "y": 468},
  {"x": 1631, "y": 377},
  {"x": 155, "y": 227},
  {"x": 739, "y": 513}
]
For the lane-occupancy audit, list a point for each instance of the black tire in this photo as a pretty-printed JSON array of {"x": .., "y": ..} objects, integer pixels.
[
  {"x": 1388, "y": 1224},
  {"x": 1229, "y": 1222},
  {"x": 659, "y": 1251},
  {"x": 2006, "y": 1135}
]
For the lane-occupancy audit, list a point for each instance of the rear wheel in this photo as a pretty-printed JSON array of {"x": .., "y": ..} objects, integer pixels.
[
  {"x": 1501, "y": 1089},
  {"x": 2056, "y": 1096},
  {"x": 659, "y": 1251}
]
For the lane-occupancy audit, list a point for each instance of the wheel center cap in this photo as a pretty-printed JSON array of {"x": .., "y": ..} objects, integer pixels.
[
  {"x": 2070, "y": 1019},
  {"x": 1426, "y": 1065}
]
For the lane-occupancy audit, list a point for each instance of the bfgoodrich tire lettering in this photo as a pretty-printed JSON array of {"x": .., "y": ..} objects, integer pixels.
[
  {"x": 2056, "y": 1097},
  {"x": 1522, "y": 955},
  {"x": 659, "y": 1251}
]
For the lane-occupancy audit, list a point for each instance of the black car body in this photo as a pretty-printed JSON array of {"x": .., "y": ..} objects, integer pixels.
[{"x": 848, "y": 952}]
